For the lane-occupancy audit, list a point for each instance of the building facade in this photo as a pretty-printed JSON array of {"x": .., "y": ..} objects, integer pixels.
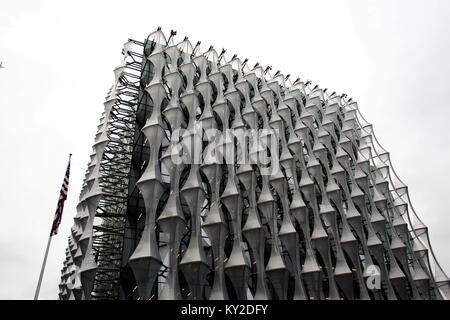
[{"x": 212, "y": 180}]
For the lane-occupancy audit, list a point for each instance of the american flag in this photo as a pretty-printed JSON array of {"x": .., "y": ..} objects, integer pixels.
[{"x": 62, "y": 198}]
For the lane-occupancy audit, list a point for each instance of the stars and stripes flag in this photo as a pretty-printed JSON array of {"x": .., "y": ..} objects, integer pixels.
[{"x": 62, "y": 198}]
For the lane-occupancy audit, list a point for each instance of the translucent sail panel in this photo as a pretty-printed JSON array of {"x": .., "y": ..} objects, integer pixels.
[
  {"x": 259, "y": 72},
  {"x": 281, "y": 80},
  {"x": 185, "y": 48},
  {"x": 156, "y": 42},
  {"x": 212, "y": 59},
  {"x": 316, "y": 93},
  {"x": 236, "y": 64}
]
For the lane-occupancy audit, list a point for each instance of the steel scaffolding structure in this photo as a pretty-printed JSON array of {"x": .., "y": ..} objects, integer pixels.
[
  {"x": 114, "y": 177},
  {"x": 105, "y": 192},
  {"x": 325, "y": 217}
]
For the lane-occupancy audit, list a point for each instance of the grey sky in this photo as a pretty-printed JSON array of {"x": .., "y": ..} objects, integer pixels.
[{"x": 390, "y": 56}]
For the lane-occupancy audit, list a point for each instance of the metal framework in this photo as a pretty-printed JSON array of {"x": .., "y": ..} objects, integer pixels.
[
  {"x": 326, "y": 218},
  {"x": 97, "y": 236}
]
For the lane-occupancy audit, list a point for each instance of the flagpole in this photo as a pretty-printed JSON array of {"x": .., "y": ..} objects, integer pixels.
[{"x": 36, "y": 295}]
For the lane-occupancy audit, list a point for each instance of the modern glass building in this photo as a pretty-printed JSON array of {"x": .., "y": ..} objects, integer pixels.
[{"x": 213, "y": 180}]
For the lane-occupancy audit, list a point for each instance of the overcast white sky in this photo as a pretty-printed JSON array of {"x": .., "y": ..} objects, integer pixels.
[{"x": 391, "y": 56}]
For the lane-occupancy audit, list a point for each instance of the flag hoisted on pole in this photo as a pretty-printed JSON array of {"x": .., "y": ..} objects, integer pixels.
[
  {"x": 62, "y": 198},
  {"x": 56, "y": 222}
]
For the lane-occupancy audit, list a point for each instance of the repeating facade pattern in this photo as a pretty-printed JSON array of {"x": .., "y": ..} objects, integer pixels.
[{"x": 179, "y": 203}]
